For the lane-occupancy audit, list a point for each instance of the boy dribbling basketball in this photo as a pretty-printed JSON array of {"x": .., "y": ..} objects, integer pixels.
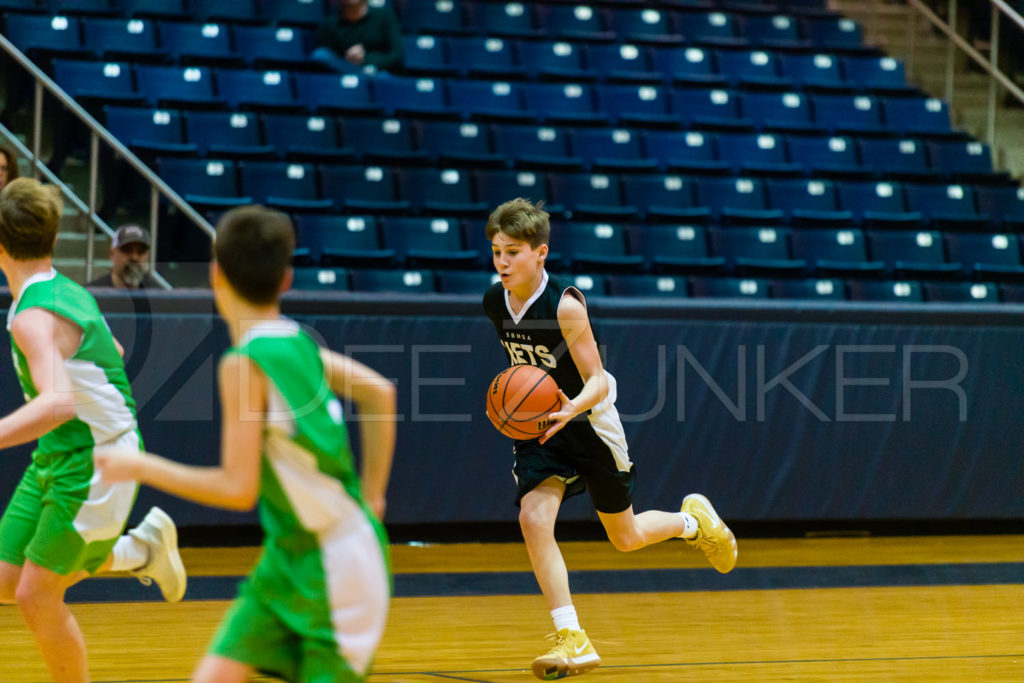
[{"x": 544, "y": 322}]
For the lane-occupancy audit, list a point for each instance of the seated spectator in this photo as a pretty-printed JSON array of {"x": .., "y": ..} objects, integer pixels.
[
  {"x": 129, "y": 260},
  {"x": 359, "y": 38},
  {"x": 8, "y": 166}
]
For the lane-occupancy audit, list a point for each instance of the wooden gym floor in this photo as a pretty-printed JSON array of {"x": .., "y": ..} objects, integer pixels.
[{"x": 892, "y": 609}]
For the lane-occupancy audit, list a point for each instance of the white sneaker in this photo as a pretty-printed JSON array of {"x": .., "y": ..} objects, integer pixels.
[{"x": 163, "y": 565}]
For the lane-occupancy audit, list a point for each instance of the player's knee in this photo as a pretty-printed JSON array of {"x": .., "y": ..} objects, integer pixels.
[
  {"x": 626, "y": 542},
  {"x": 31, "y": 599},
  {"x": 533, "y": 522}
]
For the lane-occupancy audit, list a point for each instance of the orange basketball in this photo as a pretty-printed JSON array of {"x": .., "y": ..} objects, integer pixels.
[{"x": 520, "y": 399}]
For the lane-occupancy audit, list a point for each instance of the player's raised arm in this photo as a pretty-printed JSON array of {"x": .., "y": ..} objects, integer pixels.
[
  {"x": 35, "y": 332},
  {"x": 234, "y": 484},
  {"x": 374, "y": 395}
]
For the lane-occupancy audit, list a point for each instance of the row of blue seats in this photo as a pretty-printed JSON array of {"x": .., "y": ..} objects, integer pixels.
[
  {"x": 652, "y": 197},
  {"x": 309, "y": 12},
  {"x": 667, "y": 286},
  {"x": 595, "y": 247},
  {"x": 575, "y": 103},
  {"x": 247, "y": 135}
]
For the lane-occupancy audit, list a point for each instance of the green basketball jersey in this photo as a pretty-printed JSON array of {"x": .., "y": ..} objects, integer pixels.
[
  {"x": 104, "y": 407},
  {"x": 309, "y": 486}
]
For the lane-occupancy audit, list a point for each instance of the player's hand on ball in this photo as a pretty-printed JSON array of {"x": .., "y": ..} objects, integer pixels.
[
  {"x": 117, "y": 464},
  {"x": 560, "y": 417}
]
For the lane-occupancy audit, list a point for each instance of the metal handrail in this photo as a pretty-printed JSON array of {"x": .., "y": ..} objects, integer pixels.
[{"x": 97, "y": 133}]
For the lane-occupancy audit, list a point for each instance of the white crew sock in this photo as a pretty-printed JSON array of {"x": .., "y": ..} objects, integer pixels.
[
  {"x": 129, "y": 553},
  {"x": 565, "y": 617},
  {"x": 691, "y": 525}
]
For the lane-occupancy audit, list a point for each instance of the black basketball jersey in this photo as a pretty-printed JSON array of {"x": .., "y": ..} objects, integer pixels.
[{"x": 534, "y": 337}]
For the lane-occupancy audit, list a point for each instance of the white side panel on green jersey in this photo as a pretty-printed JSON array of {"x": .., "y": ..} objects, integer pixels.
[
  {"x": 98, "y": 403},
  {"x": 104, "y": 513}
]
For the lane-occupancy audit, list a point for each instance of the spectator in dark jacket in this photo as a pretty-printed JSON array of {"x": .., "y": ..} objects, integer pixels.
[{"x": 359, "y": 38}]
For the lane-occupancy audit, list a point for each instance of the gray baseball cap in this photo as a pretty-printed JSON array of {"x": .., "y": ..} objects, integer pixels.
[{"x": 131, "y": 234}]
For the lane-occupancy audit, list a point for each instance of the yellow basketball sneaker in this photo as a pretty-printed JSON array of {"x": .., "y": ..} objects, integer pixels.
[
  {"x": 572, "y": 655},
  {"x": 713, "y": 537}
]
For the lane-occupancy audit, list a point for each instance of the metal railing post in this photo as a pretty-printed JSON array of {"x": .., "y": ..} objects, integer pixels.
[
  {"x": 951, "y": 54},
  {"x": 90, "y": 236},
  {"x": 37, "y": 127},
  {"x": 990, "y": 115}
]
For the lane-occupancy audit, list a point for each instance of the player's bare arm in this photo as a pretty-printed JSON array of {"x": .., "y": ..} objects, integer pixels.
[
  {"x": 374, "y": 395},
  {"x": 234, "y": 484},
  {"x": 579, "y": 337},
  {"x": 41, "y": 335}
]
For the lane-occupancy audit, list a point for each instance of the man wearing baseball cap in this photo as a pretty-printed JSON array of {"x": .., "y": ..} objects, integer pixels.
[{"x": 129, "y": 260}]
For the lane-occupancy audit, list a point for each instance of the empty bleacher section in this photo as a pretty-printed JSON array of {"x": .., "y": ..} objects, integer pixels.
[{"x": 684, "y": 148}]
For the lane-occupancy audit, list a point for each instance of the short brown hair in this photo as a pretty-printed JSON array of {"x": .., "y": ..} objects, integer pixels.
[
  {"x": 12, "y": 164},
  {"x": 253, "y": 248},
  {"x": 29, "y": 218},
  {"x": 521, "y": 220}
]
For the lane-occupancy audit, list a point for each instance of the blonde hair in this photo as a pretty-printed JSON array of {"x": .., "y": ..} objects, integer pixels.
[
  {"x": 29, "y": 218},
  {"x": 521, "y": 220}
]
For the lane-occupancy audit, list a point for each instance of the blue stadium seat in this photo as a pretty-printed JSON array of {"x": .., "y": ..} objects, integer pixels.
[
  {"x": 755, "y": 251},
  {"x": 81, "y": 7},
  {"x": 545, "y": 147},
  {"x": 502, "y": 18},
  {"x": 494, "y": 187},
  {"x": 345, "y": 93},
  {"x": 916, "y": 115},
  {"x": 198, "y": 181},
  {"x": 272, "y": 47},
  {"x": 773, "y": 30},
  {"x": 591, "y": 195},
  {"x": 663, "y": 197},
  {"x": 283, "y": 185},
  {"x": 445, "y": 191},
  {"x": 473, "y": 282},
  {"x": 159, "y": 9},
  {"x": 128, "y": 39},
  {"x": 107, "y": 81},
  {"x": 319, "y": 279},
  {"x": 946, "y": 206},
  {"x": 643, "y": 25},
  {"x": 427, "y": 242},
  {"x": 847, "y": 113},
  {"x": 835, "y": 252},
  {"x": 489, "y": 100},
  {"x": 958, "y": 160},
  {"x": 832, "y": 31},
  {"x": 41, "y": 36},
  {"x": 455, "y": 143},
  {"x": 751, "y": 68},
  {"x": 730, "y": 288},
  {"x": 660, "y": 286},
  {"x": 834, "y": 155},
  {"x": 590, "y": 285},
  {"x": 715, "y": 108},
  {"x": 153, "y": 131},
  {"x": 962, "y": 292},
  {"x": 685, "y": 152},
  {"x": 638, "y": 105},
  {"x": 622, "y": 62},
  {"x": 890, "y": 291},
  {"x": 713, "y": 28},
  {"x": 896, "y": 158},
  {"x": 426, "y": 55},
  {"x": 347, "y": 241},
  {"x": 820, "y": 289},
  {"x": 187, "y": 86},
  {"x": 230, "y": 134},
  {"x": 401, "y": 94},
  {"x": 814, "y": 72},
  {"x": 290, "y": 13},
  {"x": 573, "y": 22},
  {"x": 912, "y": 254},
  {"x": 446, "y": 17},
  {"x": 871, "y": 198},
  {"x": 779, "y": 111},
  {"x": 555, "y": 60},
  {"x": 1003, "y": 203},
  {"x": 688, "y": 66},
  {"x": 303, "y": 137},
  {"x": 484, "y": 55},
  {"x": 394, "y": 281},
  {"x": 882, "y": 74},
  {"x": 382, "y": 140},
  {"x": 232, "y": 11},
  {"x": 807, "y": 203},
  {"x": 757, "y": 153},
  {"x": 986, "y": 256},
  {"x": 361, "y": 189},
  {"x": 678, "y": 249},
  {"x": 597, "y": 248},
  {"x": 736, "y": 199},
  {"x": 198, "y": 42},
  {"x": 563, "y": 102},
  {"x": 251, "y": 89},
  {"x": 610, "y": 149}
]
